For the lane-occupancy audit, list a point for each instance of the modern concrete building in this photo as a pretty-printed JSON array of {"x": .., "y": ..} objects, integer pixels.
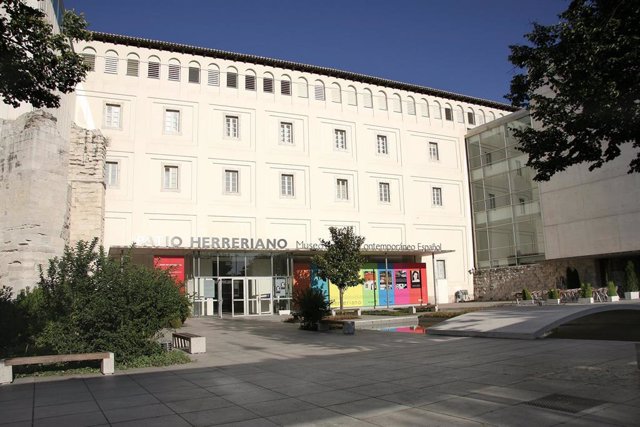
[{"x": 527, "y": 233}]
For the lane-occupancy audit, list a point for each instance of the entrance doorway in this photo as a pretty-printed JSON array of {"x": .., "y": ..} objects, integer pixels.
[{"x": 246, "y": 295}]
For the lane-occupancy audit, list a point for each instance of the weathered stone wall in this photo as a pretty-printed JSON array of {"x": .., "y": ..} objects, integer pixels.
[
  {"x": 86, "y": 179},
  {"x": 33, "y": 197},
  {"x": 51, "y": 193},
  {"x": 501, "y": 283}
]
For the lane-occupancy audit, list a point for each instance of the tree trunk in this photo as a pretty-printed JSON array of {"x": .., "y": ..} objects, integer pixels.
[{"x": 341, "y": 298}]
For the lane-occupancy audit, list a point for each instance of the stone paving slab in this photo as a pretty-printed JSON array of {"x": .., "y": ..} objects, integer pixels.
[
  {"x": 269, "y": 373},
  {"x": 521, "y": 322}
]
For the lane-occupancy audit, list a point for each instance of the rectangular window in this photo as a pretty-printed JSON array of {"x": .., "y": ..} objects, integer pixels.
[
  {"x": 267, "y": 85},
  {"x": 213, "y": 77},
  {"x": 286, "y": 185},
  {"x": 194, "y": 75},
  {"x": 231, "y": 181},
  {"x": 112, "y": 114},
  {"x": 441, "y": 269},
  {"x": 171, "y": 121},
  {"x": 111, "y": 174},
  {"x": 522, "y": 202},
  {"x": 153, "y": 70},
  {"x": 111, "y": 65},
  {"x": 471, "y": 119},
  {"x": 382, "y": 146},
  {"x": 285, "y": 87},
  {"x": 319, "y": 92},
  {"x": 90, "y": 60},
  {"x": 133, "y": 67},
  {"x": 170, "y": 178},
  {"x": 342, "y": 189},
  {"x": 250, "y": 82},
  {"x": 487, "y": 159},
  {"x": 519, "y": 167},
  {"x": 174, "y": 72},
  {"x": 448, "y": 114},
  {"x": 434, "y": 153},
  {"x": 231, "y": 126},
  {"x": 232, "y": 79},
  {"x": 436, "y": 196},
  {"x": 492, "y": 201},
  {"x": 286, "y": 133},
  {"x": 384, "y": 193},
  {"x": 340, "y": 139}
]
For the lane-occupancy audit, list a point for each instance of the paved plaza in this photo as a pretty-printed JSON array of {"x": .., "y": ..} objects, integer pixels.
[{"x": 262, "y": 372}]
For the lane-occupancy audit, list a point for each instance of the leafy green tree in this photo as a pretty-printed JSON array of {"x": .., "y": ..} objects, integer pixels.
[
  {"x": 341, "y": 261},
  {"x": 581, "y": 82},
  {"x": 36, "y": 63},
  {"x": 632, "y": 278}
]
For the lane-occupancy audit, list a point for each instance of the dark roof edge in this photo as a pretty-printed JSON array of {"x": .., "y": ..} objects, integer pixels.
[{"x": 294, "y": 66}]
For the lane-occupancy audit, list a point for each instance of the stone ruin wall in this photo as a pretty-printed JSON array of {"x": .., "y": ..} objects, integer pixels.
[
  {"x": 500, "y": 284},
  {"x": 49, "y": 187}
]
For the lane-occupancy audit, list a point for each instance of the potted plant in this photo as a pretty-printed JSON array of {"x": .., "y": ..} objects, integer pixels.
[
  {"x": 553, "y": 296},
  {"x": 612, "y": 292},
  {"x": 631, "y": 287},
  {"x": 526, "y": 295},
  {"x": 586, "y": 294}
]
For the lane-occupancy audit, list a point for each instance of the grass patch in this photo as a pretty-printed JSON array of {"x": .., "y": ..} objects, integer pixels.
[
  {"x": 341, "y": 317},
  {"x": 445, "y": 314},
  {"x": 166, "y": 358}
]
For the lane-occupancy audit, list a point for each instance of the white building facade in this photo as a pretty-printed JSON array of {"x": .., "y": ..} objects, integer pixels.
[{"x": 223, "y": 153}]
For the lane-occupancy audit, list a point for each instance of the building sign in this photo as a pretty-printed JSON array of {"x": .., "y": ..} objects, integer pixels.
[{"x": 269, "y": 244}]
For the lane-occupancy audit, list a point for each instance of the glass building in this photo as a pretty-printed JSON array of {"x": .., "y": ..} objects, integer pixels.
[{"x": 505, "y": 200}]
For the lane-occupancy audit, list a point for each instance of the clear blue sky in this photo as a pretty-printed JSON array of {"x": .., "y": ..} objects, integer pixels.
[{"x": 455, "y": 45}]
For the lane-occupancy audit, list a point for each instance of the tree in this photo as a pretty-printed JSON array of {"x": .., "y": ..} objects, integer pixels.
[
  {"x": 341, "y": 261},
  {"x": 36, "y": 63},
  {"x": 632, "y": 284},
  {"x": 582, "y": 84}
]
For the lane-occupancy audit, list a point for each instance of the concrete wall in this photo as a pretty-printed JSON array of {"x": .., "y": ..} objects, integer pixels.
[{"x": 502, "y": 283}]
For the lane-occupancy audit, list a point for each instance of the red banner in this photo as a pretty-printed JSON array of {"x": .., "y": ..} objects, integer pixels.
[{"x": 175, "y": 267}]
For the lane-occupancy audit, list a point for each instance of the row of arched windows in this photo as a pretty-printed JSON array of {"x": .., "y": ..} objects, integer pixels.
[{"x": 333, "y": 92}]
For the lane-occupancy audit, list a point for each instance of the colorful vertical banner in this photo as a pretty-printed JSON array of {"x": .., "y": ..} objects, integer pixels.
[
  {"x": 301, "y": 275},
  {"x": 175, "y": 267},
  {"x": 369, "y": 275},
  {"x": 385, "y": 285},
  {"x": 318, "y": 283},
  {"x": 401, "y": 285}
]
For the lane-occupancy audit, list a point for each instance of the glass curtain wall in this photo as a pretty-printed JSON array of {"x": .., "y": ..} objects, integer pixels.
[{"x": 504, "y": 198}]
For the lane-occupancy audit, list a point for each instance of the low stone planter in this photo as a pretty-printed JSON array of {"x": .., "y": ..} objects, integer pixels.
[
  {"x": 553, "y": 301},
  {"x": 632, "y": 295},
  {"x": 614, "y": 299},
  {"x": 585, "y": 300}
]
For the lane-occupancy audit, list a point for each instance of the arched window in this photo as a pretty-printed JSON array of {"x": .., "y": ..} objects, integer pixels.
[
  {"x": 213, "y": 75},
  {"x": 424, "y": 108},
  {"x": 471, "y": 116},
  {"x": 133, "y": 65},
  {"x": 459, "y": 114},
  {"x": 481, "y": 117},
  {"x": 448, "y": 112},
  {"x": 382, "y": 101},
  {"x": 153, "y": 67},
  {"x": 174, "y": 70},
  {"x": 232, "y": 77},
  {"x": 411, "y": 106},
  {"x": 492, "y": 116},
  {"x": 267, "y": 83},
  {"x": 367, "y": 98},
  {"x": 89, "y": 57},
  {"x": 194, "y": 72},
  {"x": 111, "y": 62},
  {"x": 303, "y": 88},
  {"x": 336, "y": 93},
  {"x": 352, "y": 96},
  {"x": 250, "y": 80},
  {"x": 437, "y": 110},
  {"x": 397, "y": 103},
  {"x": 319, "y": 90},
  {"x": 500, "y": 114},
  {"x": 285, "y": 85}
]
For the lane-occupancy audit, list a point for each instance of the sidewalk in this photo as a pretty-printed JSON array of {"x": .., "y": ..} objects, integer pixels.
[{"x": 270, "y": 373}]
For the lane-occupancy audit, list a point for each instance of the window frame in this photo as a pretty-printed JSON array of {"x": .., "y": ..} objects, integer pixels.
[
  {"x": 433, "y": 158},
  {"x": 235, "y": 80},
  {"x": 340, "y": 139},
  {"x": 194, "y": 71},
  {"x": 448, "y": 114},
  {"x": 228, "y": 190},
  {"x": 382, "y": 142},
  {"x": 130, "y": 67},
  {"x": 227, "y": 128},
  {"x": 342, "y": 196},
  {"x": 166, "y": 110},
  {"x": 153, "y": 70},
  {"x": 471, "y": 118},
  {"x": 384, "y": 192},
  {"x": 441, "y": 269},
  {"x": 439, "y": 202},
  {"x": 282, "y": 136},
  {"x": 105, "y": 123},
  {"x": 268, "y": 85},
  {"x": 107, "y": 183},
  {"x": 491, "y": 199},
  {"x": 285, "y": 191},
  {"x": 163, "y": 169}
]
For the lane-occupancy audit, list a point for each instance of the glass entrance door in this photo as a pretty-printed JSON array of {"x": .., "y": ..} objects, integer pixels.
[{"x": 239, "y": 292}]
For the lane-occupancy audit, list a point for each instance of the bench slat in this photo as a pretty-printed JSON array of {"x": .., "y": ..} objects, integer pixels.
[
  {"x": 185, "y": 335},
  {"x": 58, "y": 358}
]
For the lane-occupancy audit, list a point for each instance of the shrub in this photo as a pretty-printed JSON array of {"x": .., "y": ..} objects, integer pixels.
[
  {"x": 311, "y": 306},
  {"x": 612, "y": 289},
  {"x": 553, "y": 294},
  {"x": 526, "y": 295},
  {"x": 632, "y": 279},
  {"x": 87, "y": 302},
  {"x": 586, "y": 291}
]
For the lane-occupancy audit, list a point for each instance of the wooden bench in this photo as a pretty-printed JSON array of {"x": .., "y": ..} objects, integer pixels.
[
  {"x": 356, "y": 311},
  {"x": 6, "y": 365},
  {"x": 191, "y": 343}
]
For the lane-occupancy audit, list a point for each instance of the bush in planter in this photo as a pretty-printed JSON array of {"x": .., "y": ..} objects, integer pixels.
[
  {"x": 553, "y": 294},
  {"x": 526, "y": 295},
  {"x": 632, "y": 279},
  {"x": 612, "y": 289},
  {"x": 586, "y": 291},
  {"x": 311, "y": 306}
]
